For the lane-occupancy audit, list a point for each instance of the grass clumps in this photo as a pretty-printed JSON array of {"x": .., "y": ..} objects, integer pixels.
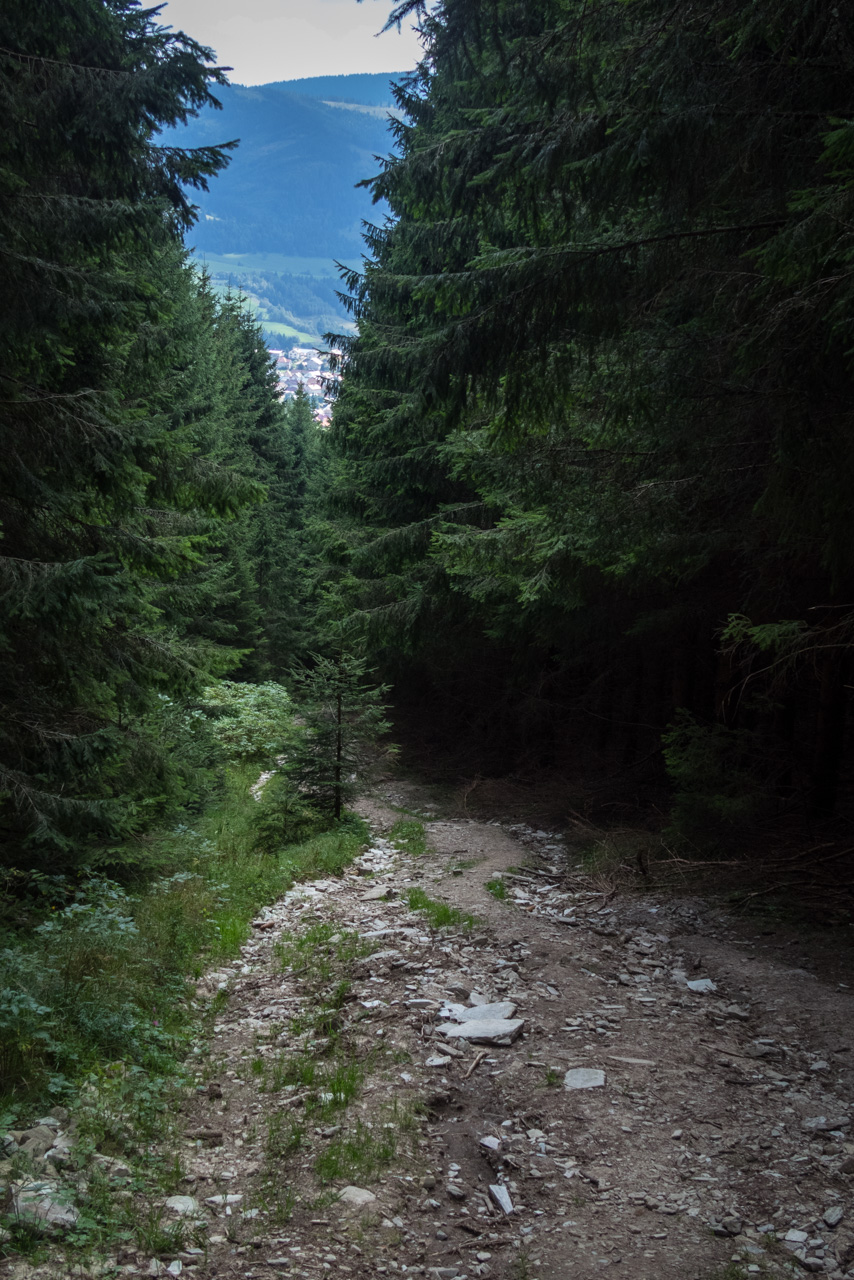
[
  {"x": 439, "y": 914},
  {"x": 367, "y": 1148},
  {"x": 322, "y": 953},
  {"x": 104, "y": 978},
  {"x": 357, "y": 1155},
  {"x": 409, "y": 836},
  {"x": 498, "y": 888}
]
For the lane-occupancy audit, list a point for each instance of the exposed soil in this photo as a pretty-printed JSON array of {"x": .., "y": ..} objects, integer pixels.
[{"x": 723, "y": 1124}]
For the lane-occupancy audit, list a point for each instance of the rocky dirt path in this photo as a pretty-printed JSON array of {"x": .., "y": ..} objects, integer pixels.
[{"x": 657, "y": 1096}]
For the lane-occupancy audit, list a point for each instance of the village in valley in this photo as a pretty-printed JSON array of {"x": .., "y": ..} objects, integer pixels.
[{"x": 308, "y": 367}]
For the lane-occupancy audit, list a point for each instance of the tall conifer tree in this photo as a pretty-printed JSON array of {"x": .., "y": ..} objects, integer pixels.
[{"x": 96, "y": 468}]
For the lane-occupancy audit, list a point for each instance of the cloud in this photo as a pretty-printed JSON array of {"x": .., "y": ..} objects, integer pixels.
[{"x": 265, "y": 40}]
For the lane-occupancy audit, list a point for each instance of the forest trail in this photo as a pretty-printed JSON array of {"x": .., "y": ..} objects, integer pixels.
[{"x": 721, "y": 1131}]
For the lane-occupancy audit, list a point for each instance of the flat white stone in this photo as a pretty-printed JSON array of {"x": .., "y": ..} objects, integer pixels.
[
  {"x": 500, "y": 1009},
  {"x": 701, "y": 984},
  {"x": 184, "y": 1206},
  {"x": 491, "y": 1144},
  {"x": 501, "y": 1196},
  {"x": 633, "y": 1062},
  {"x": 584, "y": 1078},
  {"x": 486, "y": 1030},
  {"x": 436, "y": 1060}
]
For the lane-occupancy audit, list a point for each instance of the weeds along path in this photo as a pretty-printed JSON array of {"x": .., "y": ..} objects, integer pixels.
[{"x": 671, "y": 1107}]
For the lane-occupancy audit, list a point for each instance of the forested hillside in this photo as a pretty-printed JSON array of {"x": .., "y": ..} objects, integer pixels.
[
  {"x": 292, "y": 185},
  {"x": 596, "y": 424}
]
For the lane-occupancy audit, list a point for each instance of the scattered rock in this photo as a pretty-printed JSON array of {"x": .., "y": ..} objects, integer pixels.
[
  {"x": 36, "y": 1142},
  {"x": 833, "y": 1216},
  {"x": 184, "y": 1206},
  {"x": 501, "y": 1197},
  {"x": 111, "y": 1167},
  {"x": 207, "y": 1137},
  {"x": 500, "y": 1010},
  {"x": 584, "y": 1078},
  {"x": 821, "y": 1124},
  {"x": 701, "y": 985},
  {"x": 486, "y": 1030},
  {"x": 44, "y": 1203},
  {"x": 356, "y": 1200}
]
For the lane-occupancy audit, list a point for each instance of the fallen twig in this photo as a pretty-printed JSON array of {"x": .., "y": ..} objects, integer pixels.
[{"x": 476, "y": 1063}]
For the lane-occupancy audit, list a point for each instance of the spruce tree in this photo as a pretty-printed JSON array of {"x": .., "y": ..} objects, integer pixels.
[
  {"x": 343, "y": 717},
  {"x": 600, "y": 392},
  {"x": 102, "y": 465}
]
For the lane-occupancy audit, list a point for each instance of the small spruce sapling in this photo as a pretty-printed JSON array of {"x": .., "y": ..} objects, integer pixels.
[{"x": 344, "y": 717}]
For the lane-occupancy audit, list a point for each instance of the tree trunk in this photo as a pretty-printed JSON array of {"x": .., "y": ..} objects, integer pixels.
[
  {"x": 339, "y": 752},
  {"x": 830, "y": 734}
]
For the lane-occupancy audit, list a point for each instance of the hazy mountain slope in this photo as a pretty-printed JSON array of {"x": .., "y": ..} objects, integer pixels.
[
  {"x": 291, "y": 185},
  {"x": 368, "y": 89}
]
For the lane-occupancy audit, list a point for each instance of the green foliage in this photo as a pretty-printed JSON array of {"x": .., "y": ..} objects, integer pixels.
[
  {"x": 108, "y": 469},
  {"x": 284, "y": 816},
  {"x": 439, "y": 914},
  {"x": 249, "y": 722},
  {"x": 599, "y": 399},
  {"x": 497, "y": 886},
  {"x": 104, "y": 978},
  {"x": 322, "y": 953},
  {"x": 409, "y": 836},
  {"x": 152, "y": 480},
  {"x": 343, "y": 716},
  {"x": 357, "y": 1155},
  {"x": 718, "y": 792}
]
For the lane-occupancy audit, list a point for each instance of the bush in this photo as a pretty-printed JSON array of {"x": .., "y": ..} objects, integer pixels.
[
  {"x": 102, "y": 983},
  {"x": 284, "y": 816},
  {"x": 250, "y": 722},
  {"x": 719, "y": 794}
]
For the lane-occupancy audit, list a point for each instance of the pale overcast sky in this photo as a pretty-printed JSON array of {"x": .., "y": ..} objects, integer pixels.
[{"x": 266, "y": 40}]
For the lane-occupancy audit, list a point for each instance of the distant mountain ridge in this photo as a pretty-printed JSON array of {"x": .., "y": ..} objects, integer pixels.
[
  {"x": 291, "y": 185},
  {"x": 371, "y": 90},
  {"x": 290, "y": 191}
]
